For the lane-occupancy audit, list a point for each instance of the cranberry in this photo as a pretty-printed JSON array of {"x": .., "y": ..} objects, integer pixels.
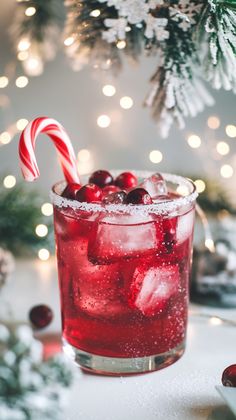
[
  {"x": 126, "y": 180},
  {"x": 70, "y": 191},
  {"x": 101, "y": 178},
  {"x": 110, "y": 189},
  {"x": 89, "y": 193},
  {"x": 40, "y": 316},
  {"x": 115, "y": 198},
  {"x": 138, "y": 196},
  {"x": 229, "y": 376}
]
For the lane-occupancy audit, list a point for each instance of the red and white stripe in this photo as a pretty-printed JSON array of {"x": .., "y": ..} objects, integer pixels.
[{"x": 60, "y": 139}]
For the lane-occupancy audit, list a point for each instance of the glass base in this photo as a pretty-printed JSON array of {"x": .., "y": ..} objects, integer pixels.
[{"x": 113, "y": 366}]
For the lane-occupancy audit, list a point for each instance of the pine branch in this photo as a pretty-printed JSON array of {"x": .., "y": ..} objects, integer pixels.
[
  {"x": 41, "y": 31},
  {"x": 88, "y": 45},
  {"x": 217, "y": 29},
  {"x": 177, "y": 91},
  {"x": 20, "y": 214}
]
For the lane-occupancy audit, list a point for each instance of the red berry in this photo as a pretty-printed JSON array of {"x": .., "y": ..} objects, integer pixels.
[
  {"x": 89, "y": 193},
  {"x": 40, "y": 316},
  {"x": 126, "y": 180},
  {"x": 138, "y": 196},
  {"x": 229, "y": 376},
  {"x": 101, "y": 178},
  {"x": 71, "y": 190},
  {"x": 110, "y": 189}
]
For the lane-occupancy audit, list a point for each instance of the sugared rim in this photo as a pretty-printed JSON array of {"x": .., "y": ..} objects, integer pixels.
[{"x": 163, "y": 207}]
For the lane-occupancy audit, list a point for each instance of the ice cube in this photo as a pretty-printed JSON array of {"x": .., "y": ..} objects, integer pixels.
[
  {"x": 124, "y": 236},
  {"x": 184, "y": 227},
  {"x": 96, "y": 290},
  {"x": 155, "y": 185},
  {"x": 152, "y": 287},
  {"x": 115, "y": 198}
]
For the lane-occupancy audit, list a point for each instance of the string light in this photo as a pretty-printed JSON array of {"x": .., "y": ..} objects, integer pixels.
[
  {"x": 126, "y": 102},
  {"x": 43, "y": 254},
  {"x": 41, "y": 230},
  {"x": 5, "y": 137},
  {"x": 33, "y": 66},
  {"x": 194, "y": 141},
  {"x": 209, "y": 244},
  {"x": 200, "y": 185},
  {"x": 103, "y": 121},
  {"x": 22, "y": 55},
  {"x": 95, "y": 13},
  {"x": 47, "y": 209},
  {"x": 155, "y": 156},
  {"x": 84, "y": 155},
  {"x": 109, "y": 90},
  {"x": 121, "y": 45},
  {"x": 213, "y": 122},
  {"x": 69, "y": 41},
  {"x": 214, "y": 320},
  {"x": 30, "y": 11},
  {"x": 222, "y": 148},
  {"x": 9, "y": 181},
  {"x": 21, "y": 124},
  {"x": 3, "y": 81},
  {"x": 23, "y": 45},
  {"x": 226, "y": 171},
  {"x": 230, "y": 130},
  {"x": 22, "y": 81}
]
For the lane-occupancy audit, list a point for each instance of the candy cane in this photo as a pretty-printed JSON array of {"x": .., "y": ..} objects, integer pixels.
[{"x": 60, "y": 139}]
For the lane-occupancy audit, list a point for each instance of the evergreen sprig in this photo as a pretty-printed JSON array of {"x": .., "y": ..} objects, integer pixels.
[{"x": 20, "y": 214}]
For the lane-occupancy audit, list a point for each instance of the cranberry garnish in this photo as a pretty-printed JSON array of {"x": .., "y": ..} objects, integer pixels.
[
  {"x": 71, "y": 190},
  {"x": 89, "y": 193},
  {"x": 115, "y": 198},
  {"x": 110, "y": 189},
  {"x": 40, "y": 316},
  {"x": 229, "y": 376},
  {"x": 138, "y": 196},
  {"x": 126, "y": 180},
  {"x": 101, "y": 178}
]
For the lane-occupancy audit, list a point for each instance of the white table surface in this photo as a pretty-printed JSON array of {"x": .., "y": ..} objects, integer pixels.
[{"x": 183, "y": 391}]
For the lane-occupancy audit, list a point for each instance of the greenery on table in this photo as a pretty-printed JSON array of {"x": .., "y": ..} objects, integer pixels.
[{"x": 30, "y": 388}]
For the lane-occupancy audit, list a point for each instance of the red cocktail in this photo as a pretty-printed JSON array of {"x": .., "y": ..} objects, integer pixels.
[{"x": 124, "y": 272}]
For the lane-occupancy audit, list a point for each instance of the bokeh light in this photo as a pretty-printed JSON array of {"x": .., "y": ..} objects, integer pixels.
[
  {"x": 213, "y": 122},
  {"x": 43, "y": 254},
  {"x": 9, "y": 181},
  {"x": 155, "y": 156},
  {"x": 226, "y": 171},
  {"x": 109, "y": 90},
  {"x": 41, "y": 230},
  {"x": 103, "y": 121},
  {"x": 200, "y": 185},
  {"x": 22, "y": 81},
  {"x": 230, "y": 130},
  {"x": 222, "y": 148},
  {"x": 194, "y": 141},
  {"x": 47, "y": 209},
  {"x": 126, "y": 102}
]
